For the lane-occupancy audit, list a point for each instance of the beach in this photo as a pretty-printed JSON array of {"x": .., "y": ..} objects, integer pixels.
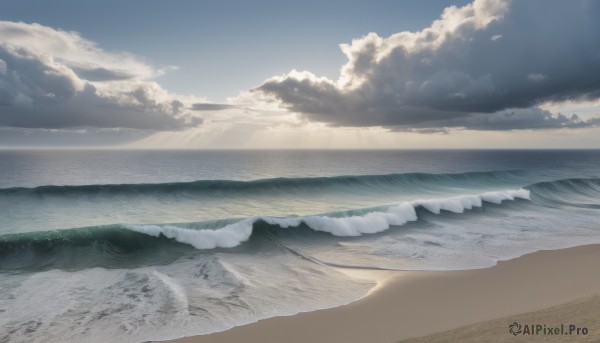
[
  {"x": 282, "y": 172},
  {"x": 546, "y": 287},
  {"x": 375, "y": 247}
]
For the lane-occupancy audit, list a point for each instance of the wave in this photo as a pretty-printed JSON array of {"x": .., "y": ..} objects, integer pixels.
[
  {"x": 568, "y": 192},
  {"x": 124, "y": 245},
  {"x": 72, "y": 249},
  {"x": 271, "y": 185},
  {"x": 587, "y": 187},
  {"x": 354, "y": 225}
]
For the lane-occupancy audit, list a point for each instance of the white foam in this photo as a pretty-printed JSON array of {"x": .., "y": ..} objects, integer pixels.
[
  {"x": 456, "y": 204},
  {"x": 498, "y": 197},
  {"x": 461, "y": 203},
  {"x": 226, "y": 237},
  {"x": 372, "y": 222},
  {"x": 177, "y": 292}
]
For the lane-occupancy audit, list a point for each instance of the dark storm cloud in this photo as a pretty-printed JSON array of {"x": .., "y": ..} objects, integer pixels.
[
  {"x": 513, "y": 119},
  {"x": 470, "y": 69}
]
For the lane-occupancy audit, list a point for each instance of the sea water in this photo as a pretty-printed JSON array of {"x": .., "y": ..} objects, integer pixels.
[{"x": 117, "y": 245}]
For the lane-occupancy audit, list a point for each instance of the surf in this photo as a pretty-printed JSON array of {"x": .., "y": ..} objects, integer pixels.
[
  {"x": 129, "y": 245},
  {"x": 125, "y": 245}
]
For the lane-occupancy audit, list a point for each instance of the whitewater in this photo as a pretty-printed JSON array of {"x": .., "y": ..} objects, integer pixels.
[{"x": 134, "y": 246}]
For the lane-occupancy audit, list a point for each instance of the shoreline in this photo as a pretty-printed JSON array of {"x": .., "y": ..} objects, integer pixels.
[{"x": 411, "y": 304}]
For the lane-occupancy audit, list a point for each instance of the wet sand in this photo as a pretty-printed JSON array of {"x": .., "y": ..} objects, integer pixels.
[{"x": 412, "y": 304}]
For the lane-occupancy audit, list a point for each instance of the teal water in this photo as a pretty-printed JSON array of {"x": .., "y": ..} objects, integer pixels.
[{"x": 141, "y": 245}]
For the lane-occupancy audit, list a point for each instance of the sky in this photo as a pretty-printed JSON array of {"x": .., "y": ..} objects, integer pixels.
[{"x": 275, "y": 74}]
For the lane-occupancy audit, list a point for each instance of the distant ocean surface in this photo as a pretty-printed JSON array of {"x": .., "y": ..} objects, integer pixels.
[{"x": 130, "y": 246}]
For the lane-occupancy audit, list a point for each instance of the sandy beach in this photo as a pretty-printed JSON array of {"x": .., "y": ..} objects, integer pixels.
[
  {"x": 546, "y": 288},
  {"x": 262, "y": 171}
]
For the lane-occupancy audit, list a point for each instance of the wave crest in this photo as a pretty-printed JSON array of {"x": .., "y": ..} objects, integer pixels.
[
  {"x": 227, "y": 237},
  {"x": 126, "y": 245},
  {"x": 355, "y": 225}
]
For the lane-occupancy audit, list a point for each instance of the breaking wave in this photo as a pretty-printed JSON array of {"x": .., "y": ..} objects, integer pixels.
[{"x": 130, "y": 244}]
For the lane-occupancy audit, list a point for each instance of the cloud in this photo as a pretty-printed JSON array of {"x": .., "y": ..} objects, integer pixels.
[
  {"x": 53, "y": 79},
  {"x": 513, "y": 119},
  {"x": 71, "y": 50},
  {"x": 102, "y": 74},
  {"x": 202, "y": 106},
  {"x": 479, "y": 66}
]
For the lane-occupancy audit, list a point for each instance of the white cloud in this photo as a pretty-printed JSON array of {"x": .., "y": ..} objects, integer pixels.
[
  {"x": 73, "y": 51},
  {"x": 452, "y": 74},
  {"x": 51, "y": 78}
]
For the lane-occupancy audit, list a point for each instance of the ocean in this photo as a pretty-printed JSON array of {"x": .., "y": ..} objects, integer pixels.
[{"x": 131, "y": 246}]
